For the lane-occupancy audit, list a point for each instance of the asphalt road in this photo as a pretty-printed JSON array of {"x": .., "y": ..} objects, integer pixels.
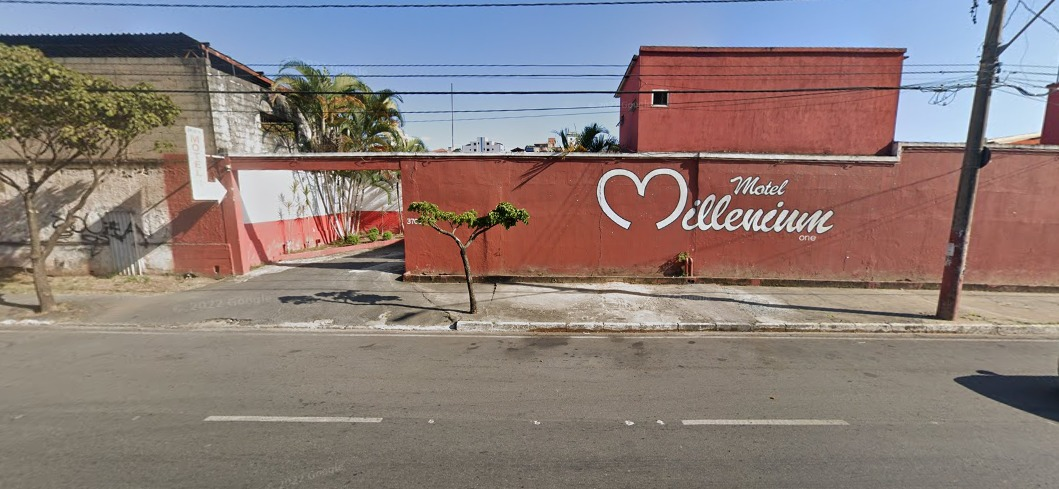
[{"x": 125, "y": 409}]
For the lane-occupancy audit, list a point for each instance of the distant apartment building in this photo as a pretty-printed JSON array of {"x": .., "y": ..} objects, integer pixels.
[
  {"x": 483, "y": 145},
  {"x": 547, "y": 147}
]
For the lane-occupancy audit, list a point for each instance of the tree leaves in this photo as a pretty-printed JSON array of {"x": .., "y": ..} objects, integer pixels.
[
  {"x": 505, "y": 214},
  {"x": 45, "y": 105}
]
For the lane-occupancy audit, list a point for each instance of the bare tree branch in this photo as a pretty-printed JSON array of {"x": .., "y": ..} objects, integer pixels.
[{"x": 97, "y": 176}]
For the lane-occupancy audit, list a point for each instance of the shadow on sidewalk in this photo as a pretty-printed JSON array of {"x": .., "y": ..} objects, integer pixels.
[
  {"x": 1037, "y": 395},
  {"x": 692, "y": 297},
  {"x": 350, "y": 297},
  {"x": 17, "y": 305}
]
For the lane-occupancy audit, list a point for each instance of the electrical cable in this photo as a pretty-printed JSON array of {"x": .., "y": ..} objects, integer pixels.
[{"x": 370, "y": 6}]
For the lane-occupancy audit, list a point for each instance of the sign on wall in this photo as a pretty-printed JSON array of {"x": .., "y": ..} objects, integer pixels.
[
  {"x": 201, "y": 186},
  {"x": 721, "y": 212}
]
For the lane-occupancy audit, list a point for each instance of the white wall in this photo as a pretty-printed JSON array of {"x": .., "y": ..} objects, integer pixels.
[{"x": 261, "y": 190}]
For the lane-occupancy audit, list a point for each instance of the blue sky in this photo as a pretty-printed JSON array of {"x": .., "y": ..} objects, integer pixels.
[{"x": 933, "y": 31}]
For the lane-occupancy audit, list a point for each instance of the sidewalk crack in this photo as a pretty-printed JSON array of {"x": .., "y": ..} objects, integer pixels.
[{"x": 448, "y": 314}]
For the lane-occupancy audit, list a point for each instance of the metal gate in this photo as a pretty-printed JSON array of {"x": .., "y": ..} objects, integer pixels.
[{"x": 124, "y": 238}]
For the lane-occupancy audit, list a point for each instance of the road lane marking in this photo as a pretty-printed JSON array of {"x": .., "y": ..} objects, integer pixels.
[
  {"x": 295, "y": 419},
  {"x": 764, "y": 422}
]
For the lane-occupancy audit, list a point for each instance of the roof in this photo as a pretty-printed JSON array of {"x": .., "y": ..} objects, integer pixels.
[
  {"x": 107, "y": 45},
  {"x": 1031, "y": 138},
  {"x": 648, "y": 50},
  {"x": 759, "y": 50},
  {"x": 161, "y": 45}
]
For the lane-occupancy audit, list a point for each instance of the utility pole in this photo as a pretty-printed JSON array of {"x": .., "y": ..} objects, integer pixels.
[{"x": 960, "y": 236}]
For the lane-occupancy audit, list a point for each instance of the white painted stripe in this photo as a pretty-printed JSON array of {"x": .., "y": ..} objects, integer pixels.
[
  {"x": 295, "y": 419},
  {"x": 766, "y": 422}
]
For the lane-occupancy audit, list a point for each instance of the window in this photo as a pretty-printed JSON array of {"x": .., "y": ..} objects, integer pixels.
[{"x": 660, "y": 98}]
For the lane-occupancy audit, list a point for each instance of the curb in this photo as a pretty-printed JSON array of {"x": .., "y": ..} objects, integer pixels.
[
  {"x": 955, "y": 329},
  {"x": 977, "y": 329}
]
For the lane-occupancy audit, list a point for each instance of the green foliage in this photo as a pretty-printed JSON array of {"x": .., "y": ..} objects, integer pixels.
[
  {"x": 46, "y": 106},
  {"x": 351, "y": 239},
  {"x": 387, "y": 235},
  {"x": 373, "y": 235},
  {"x": 52, "y": 117},
  {"x": 505, "y": 214},
  {"x": 683, "y": 256},
  {"x": 339, "y": 112},
  {"x": 594, "y": 138}
]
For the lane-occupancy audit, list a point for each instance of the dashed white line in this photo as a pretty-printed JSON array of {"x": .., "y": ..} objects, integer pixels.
[
  {"x": 765, "y": 422},
  {"x": 295, "y": 419}
]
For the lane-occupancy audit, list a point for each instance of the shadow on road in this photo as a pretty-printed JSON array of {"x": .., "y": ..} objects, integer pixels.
[
  {"x": 352, "y": 298},
  {"x": 1038, "y": 395},
  {"x": 691, "y": 297},
  {"x": 348, "y": 264},
  {"x": 389, "y": 256}
]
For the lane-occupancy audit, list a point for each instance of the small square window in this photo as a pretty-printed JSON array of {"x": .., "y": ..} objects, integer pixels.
[{"x": 660, "y": 98}]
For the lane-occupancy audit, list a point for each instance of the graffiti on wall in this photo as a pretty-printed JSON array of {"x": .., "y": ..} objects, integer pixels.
[
  {"x": 716, "y": 213},
  {"x": 102, "y": 233}
]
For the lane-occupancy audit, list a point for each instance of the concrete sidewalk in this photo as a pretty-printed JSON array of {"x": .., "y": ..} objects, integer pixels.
[{"x": 364, "y": 290}]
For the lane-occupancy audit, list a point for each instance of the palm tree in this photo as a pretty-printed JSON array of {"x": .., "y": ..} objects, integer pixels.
[
  {"x": 322, "y": 100},
  {"x": 341, "y": 113},
  {"x": 408, "y": 144},
  {"x": 594, "y": 138}
]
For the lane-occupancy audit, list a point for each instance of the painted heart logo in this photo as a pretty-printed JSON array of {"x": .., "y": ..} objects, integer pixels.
[{"x": 641, "y": 188}]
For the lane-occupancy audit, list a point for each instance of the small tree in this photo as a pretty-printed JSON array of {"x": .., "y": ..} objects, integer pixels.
[
  {"x": 54, "y": 118},
  {"x": 505, "y": 214}
]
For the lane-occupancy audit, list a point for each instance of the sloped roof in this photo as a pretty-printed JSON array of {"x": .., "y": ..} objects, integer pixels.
[
  {"x": 161, "y": 45},
  {"x": 107, "y": 45}
]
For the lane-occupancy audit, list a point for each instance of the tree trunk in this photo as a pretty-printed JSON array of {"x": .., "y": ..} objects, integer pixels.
[
  {"x": 400, "y": 209},
  {"x": 37, "y": 257},
  {"x": 470, "y": 283}
]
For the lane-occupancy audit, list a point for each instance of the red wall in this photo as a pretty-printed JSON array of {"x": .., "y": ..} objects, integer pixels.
[
  {"x": 858, "y": 122},
  {"x": 1050, "y": 128},
  {"x": 200, "y": 230},
  {"x": 263, "y": 242},
  {"x": 890, "y": 223}
]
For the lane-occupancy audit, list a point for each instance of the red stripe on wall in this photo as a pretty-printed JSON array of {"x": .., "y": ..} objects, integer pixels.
[{"x": 266, "y": 241}]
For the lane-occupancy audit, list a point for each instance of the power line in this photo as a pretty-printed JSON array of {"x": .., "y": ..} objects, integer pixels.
[
  {"x": 920, "y": 87},
  {"x": 594, "y": 75},
  {"x": 377, "y": 6}
]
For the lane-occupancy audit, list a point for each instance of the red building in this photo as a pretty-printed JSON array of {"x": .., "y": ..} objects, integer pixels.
[{"x": 838, "y": 101}]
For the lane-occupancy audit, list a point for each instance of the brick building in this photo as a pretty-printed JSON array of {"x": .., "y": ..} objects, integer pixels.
[{"x": 838, "y": 101}]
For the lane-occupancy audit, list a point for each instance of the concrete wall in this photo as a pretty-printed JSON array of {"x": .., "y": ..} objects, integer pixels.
[
  {"x": 771, "y": 120},
  {"x": 230, "y": 121},
  {"x": 877, "y": 219},
  {"x": 164, "y": 74},
  {"x": 237, "y": 116},
  {"x": 137, "y": 189}
]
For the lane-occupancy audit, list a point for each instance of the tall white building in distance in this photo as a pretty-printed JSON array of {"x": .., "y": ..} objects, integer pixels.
[{"x": 483, "y": 145}]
